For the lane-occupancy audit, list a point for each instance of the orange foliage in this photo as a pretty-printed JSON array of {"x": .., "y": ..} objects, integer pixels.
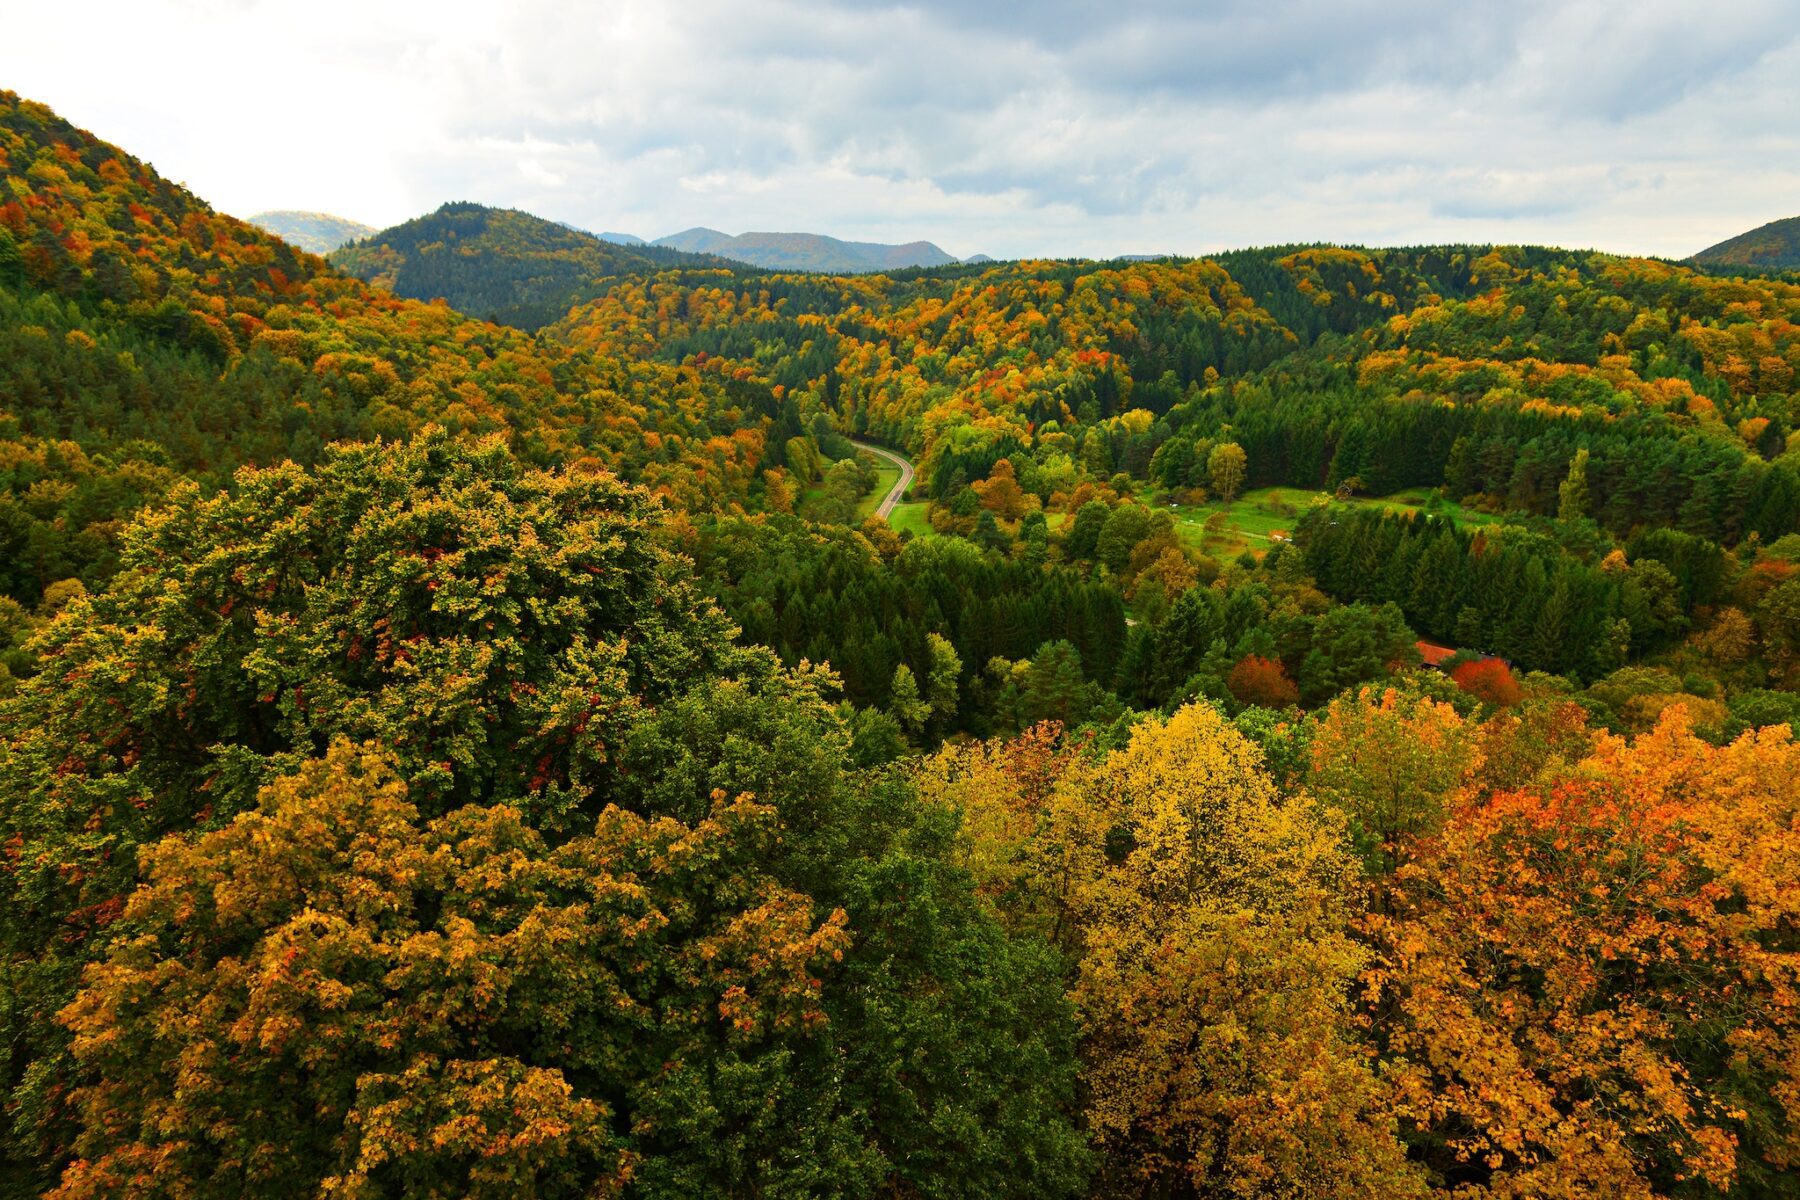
[
  {"x": 1262, "y": 681},
  {"x": 1586, "y": 983},
  {"x": 1488, "y": 680}
]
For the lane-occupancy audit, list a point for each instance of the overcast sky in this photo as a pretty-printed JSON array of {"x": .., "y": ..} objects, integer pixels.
[{"x": 1055, "y": 127}]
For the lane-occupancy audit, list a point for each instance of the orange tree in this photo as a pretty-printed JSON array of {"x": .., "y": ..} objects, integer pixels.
[{"x": 1587, "y": 984}]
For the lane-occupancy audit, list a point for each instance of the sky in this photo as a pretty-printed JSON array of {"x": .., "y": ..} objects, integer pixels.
[{"x": 1048, "y": 128}]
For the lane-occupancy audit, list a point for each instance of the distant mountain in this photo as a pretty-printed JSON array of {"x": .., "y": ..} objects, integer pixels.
[
  {"x": 623, "y": 239},
  {"x": 502, "y": 264},
  {"x": 978, "y": 258},
  {"x": 1773, "y": 247},
  {"x": 315, "y": 232},
  {"x": 807, "y": 251}
]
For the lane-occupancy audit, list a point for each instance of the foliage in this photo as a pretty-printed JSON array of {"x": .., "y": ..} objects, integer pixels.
[
  {"x": 1588, "y": 983},
  {"x": 500, "y": 263}
]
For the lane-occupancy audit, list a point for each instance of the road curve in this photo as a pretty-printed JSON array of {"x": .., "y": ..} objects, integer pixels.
[{"x": 886, "y": 507}]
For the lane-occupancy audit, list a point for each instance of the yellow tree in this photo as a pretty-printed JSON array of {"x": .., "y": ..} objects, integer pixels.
[
  {"x": 1226, "y": 466},
  {"x": 1391, "y": 760},
  {"x": 333, "y": 996},
  {"x": 1219, "y": 1051}
]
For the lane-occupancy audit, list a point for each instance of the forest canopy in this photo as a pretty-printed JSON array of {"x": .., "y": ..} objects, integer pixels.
[{"x": 1320, "y": 721}]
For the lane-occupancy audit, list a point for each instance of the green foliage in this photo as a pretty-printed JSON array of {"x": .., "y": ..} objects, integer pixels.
[
  {"x": 521, "y": 647},
  {"x": 500, "y": 264}
]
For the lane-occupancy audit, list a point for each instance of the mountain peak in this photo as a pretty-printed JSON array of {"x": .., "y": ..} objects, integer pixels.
[{"x": 500, "y": 263}]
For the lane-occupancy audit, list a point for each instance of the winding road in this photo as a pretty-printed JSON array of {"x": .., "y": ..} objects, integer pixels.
[{"x": 886, "y": 507}]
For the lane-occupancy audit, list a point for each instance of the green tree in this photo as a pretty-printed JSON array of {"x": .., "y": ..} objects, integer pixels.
[
  {"x": 1572, "y": 493},
  {"x": 909, "y": 708},
  {"x": 942, "y": 678},
  {"x": 1226, "y": 467},
  {"x": 1055, "y": 688}
]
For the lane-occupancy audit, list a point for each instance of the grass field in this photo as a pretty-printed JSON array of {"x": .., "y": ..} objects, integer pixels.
[
  {"x": 886, "y": 476},
  {"x": 909, "y": 517},
  {"x": 1415, "y": 499},
  {"x": 1251, "y": 519}
]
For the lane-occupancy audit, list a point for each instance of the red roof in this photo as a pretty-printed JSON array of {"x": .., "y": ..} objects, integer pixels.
[{"x": 1434, "y": 655}]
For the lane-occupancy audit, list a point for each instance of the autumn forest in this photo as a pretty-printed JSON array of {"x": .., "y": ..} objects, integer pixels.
[{"x": 1320, "y": 721}]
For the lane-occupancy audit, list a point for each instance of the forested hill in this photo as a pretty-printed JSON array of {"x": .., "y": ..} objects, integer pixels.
[
  {"x": 808, "y": 251},
  {"x": 146, "y": 339},
  {"x": 502, "y": 264},
  {"x": 1322, "y": 724},
  {"x": 314, "y": 232},
  {"x": 1388, "y": 367},
  {"x": 1771, "y": 247}
]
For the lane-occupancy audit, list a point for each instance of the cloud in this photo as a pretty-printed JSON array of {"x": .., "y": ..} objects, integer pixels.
[{"x": 1055, "y": 127}]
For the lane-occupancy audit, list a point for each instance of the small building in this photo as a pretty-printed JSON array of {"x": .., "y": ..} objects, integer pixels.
[{"x": 1433, "y": 655}]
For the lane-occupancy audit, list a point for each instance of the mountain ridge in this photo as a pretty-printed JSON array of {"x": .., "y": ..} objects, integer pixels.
[
  {"x": 315, "y": 232},
  {"x": 797, "y": 251},
  {"x": 1771, "y": 247},
  {"x": 501, "y": 264}
]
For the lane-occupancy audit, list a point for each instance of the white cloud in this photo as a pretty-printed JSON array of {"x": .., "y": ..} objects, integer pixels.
[{"x": 1059, "y": 127}]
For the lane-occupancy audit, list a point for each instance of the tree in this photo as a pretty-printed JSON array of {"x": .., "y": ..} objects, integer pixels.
[
  {"x": 1126, "y": 526},
  {"x": 1572, "y": 493},
  {"x": 499, "y": 628},
  {"x": 1084, "y": 532},
  {"x": 333, "y": 993},
  {"x": 1351, "y": 644},
  {"x": 1615, "y": 930},
  {"x": 1000, "y": 493},
  {"x": 1218, "y": 1053},
  {"x": 1055, "y": 688},
  {"x": 1391, "y": 760},
  {"x": 1262, "y": 681},
  {"x": 1226, "y": 466},
  {"x": 941, "y": 680},
  {"x": 904, "y": 701},
  {"x": 1488, "y": 680},
  {"x": 803, "y": 459}
]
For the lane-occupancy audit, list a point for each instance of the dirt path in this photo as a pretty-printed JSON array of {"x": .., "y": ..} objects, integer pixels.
[{"x": 886, "y": 507}]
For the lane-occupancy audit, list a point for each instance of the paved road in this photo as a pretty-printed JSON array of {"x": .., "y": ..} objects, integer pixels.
[{"x": 886, "y": 507}]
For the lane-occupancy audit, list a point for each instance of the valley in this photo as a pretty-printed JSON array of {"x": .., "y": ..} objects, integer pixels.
[{"x": 499, "y": 711}]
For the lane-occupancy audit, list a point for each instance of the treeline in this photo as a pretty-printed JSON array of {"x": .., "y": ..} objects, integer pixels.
[
  {"x": 1309, "y": 425},
  {"x": 867, "y": 607}
]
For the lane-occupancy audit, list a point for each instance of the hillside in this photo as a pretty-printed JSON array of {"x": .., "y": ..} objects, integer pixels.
[
  {"x": 807, "y": 251},
  {"x": 1771, "y": 247},
  {"x": 146, "y": 338},
  {"x": 501, "y": 264},
  {"x": 444, "y": 759},
  {"x": 314, "y": 232}
]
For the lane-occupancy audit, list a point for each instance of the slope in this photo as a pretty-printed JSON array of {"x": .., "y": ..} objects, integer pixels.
[
  {"x": 313, "y": 232},
  {"x": 1771, "y": 247},
  {"x": 500, "y": 263},
  {"x": 146, "y": 339}
]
